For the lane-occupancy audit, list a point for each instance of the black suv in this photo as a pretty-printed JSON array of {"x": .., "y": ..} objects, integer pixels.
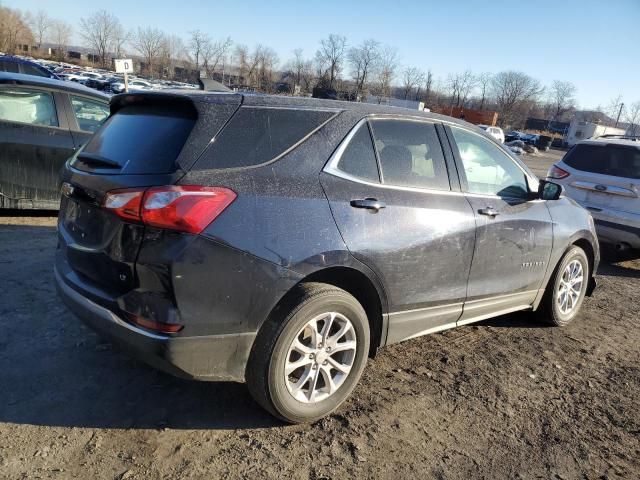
[{"x": 281, "y": 241}]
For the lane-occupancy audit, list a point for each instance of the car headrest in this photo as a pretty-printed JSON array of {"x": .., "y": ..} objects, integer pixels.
[{"x": 397, "y": 156}]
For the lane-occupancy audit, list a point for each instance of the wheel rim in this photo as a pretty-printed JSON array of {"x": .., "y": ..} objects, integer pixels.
[
  {"x": 570, "y": 287},
  {"x": 320, "y": 357}
]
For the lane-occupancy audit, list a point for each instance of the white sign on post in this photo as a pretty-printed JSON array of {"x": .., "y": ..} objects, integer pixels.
[{"x": 124, "y": 65}]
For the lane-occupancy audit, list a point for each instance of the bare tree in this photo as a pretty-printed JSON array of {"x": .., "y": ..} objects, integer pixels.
[
  {"x": 198, "y": 43},
  {"x": 615, "y": 109},
  {"x": 484, "y": 80},
  {"x": 297, "y": 66},
  {"x": 60, "y": 34},
  {"x": 120, "y": 39},
  {"x": 561, "y": 95},
  {"x": 385, "y": 72},
  {"x": 213, "y": 54},
  {"x": 330, "y": 57},
  {"x": 40, "y": 23},
  {"x": 241, "y": 54},
  {"x": 411, "y": 77},
  {"x": 513, "y": 90},
  {"x": 14, "y": 30},
  {"x": 171, "y": 49},
  {"x": 632, "y": 117},
  {"x": 99, "y": 30},
  {"x": 428, "y": 87},
  {"x": 363, "y": 60},
  {"x": 148, "y": 43}
]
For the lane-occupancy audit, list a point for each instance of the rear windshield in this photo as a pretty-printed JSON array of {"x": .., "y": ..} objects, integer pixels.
[
  {"x": 615, "y": 160},
  {"x": 256, "y": 135},
  {"x": 138, "y": 139}
]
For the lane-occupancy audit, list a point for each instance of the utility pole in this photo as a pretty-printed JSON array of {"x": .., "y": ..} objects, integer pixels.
[{"x": 619, "y": 113}]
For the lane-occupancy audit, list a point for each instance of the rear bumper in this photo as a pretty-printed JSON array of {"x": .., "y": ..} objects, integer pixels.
[
  {"x": 617, "y": 227},
  {"x": 210, "y": 357}
]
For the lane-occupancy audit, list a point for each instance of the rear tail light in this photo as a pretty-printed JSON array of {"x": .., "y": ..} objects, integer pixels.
[
  {"x": 153, "y": 325},
  {"x": 557, "y": 173},
  {"x": 188, "y": 208}
]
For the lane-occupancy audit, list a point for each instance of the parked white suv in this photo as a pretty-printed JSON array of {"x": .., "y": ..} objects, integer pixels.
[
  {"x": 603, "y": 175},
  {"x": 495, "y": 132}
]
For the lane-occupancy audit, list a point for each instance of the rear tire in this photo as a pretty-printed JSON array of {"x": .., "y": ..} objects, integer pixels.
[
  {"x": 310, "y": 354},
  {"x": 565, "y": 292}
]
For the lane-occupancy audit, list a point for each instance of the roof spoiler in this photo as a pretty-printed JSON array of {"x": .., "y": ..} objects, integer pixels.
[{"x": 210, "y": 85}]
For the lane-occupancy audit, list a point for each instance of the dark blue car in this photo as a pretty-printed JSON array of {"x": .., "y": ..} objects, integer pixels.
[{"x": 26, "y": 67}]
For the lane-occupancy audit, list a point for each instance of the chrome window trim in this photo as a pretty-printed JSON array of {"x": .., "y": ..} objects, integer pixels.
[{"x": 332, "y": 165}]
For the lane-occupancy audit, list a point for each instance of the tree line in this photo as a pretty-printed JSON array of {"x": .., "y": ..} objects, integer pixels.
[{"x": 367, "y": 71}]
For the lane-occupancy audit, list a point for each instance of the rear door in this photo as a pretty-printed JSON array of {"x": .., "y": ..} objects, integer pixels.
[
  {"x": 400, "y": 215},
  {"x": 604, "y": 176},
  {"x": 514, "y": 232},
  {"x": 35, "y": 141}
]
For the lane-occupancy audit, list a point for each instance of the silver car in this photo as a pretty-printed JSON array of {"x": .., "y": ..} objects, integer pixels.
[{"x": 603, "y": 175}]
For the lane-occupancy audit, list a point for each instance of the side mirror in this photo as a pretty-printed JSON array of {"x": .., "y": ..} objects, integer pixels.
[{"x": 549, "y": 190}]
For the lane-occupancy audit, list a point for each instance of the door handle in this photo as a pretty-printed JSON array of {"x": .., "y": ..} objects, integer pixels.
[
  {"x": 372, "y": 204},
  {"x": 489, "y": 212}
]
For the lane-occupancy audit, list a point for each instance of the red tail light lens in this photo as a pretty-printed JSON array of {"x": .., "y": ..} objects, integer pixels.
[
  {"x": 125, "y": 203},
  {"x": 188, "y": 208},
  {"x": 153, "y": 325},
  {"x": 557, "y": 173}
]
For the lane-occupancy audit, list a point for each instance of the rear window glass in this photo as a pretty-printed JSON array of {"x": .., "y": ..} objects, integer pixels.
[
  {"x": 6, "y": 66},
  {"x": 256, "y": 135},
  {"x": 618, "y": 161},
  {"x": 140, "y": 139}
]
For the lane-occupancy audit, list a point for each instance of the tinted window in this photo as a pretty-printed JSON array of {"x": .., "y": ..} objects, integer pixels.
[
  {"x": 615, "y": 160},
  {"x": 9, "y": 67},
  {"x": 32, "y": 70},
  {"x": 141, "y": 139},
  {"x": 257, "y": 135},
  {"x": 410, "y": 154},
  {"x": 359, "y": 158},
  {"x": 89, "y": 114},
  {"x": 28, "y": 106},
  {"x": 488, "y": 169}
]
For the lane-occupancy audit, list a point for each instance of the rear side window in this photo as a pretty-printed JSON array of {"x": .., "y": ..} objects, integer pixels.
[
  {"x": 139, "y": 139},
  {"x": 31, "y": 70},
  {"x": 34, "y": 107},
  {"x": 618, "y": 161},
  {"x": 359, "y": 158},
  {"x": 11, "y": 67},
  {"x": 410, "y": 154},
  {"x": 257, "y": 135},
  {"x": 89, "y": 113}
]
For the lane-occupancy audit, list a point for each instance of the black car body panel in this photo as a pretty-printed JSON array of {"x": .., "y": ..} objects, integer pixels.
[
  {"x": 428, "y": 259},
  {"x": 32, "y": 154}
]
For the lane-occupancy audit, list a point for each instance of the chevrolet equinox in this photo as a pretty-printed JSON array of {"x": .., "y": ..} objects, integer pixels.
[{"x": 282, "y": 241}]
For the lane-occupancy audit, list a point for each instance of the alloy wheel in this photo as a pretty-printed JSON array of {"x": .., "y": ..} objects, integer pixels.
[{"x": 320, "y": 357}]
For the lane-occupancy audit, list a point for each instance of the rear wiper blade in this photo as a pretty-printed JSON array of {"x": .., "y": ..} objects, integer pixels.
[{"x": 94, "y": 159}]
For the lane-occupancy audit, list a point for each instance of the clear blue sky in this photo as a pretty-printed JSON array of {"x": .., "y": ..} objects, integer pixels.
[{"x": 593, "y": 43}]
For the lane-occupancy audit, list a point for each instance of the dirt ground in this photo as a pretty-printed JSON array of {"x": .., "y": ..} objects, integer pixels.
[{"x": 506, "y": 398}]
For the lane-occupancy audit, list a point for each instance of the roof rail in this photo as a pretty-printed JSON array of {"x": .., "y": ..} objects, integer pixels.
[{"x": 635, "y": 138}]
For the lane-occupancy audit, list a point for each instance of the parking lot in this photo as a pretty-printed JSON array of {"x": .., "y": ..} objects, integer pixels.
[{"x": 505, "y": 398}]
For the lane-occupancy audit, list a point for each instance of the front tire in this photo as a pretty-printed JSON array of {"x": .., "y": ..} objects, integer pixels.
[
  {"x": 310, "y": 354},
  {"x": 567, "y": 288}
]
